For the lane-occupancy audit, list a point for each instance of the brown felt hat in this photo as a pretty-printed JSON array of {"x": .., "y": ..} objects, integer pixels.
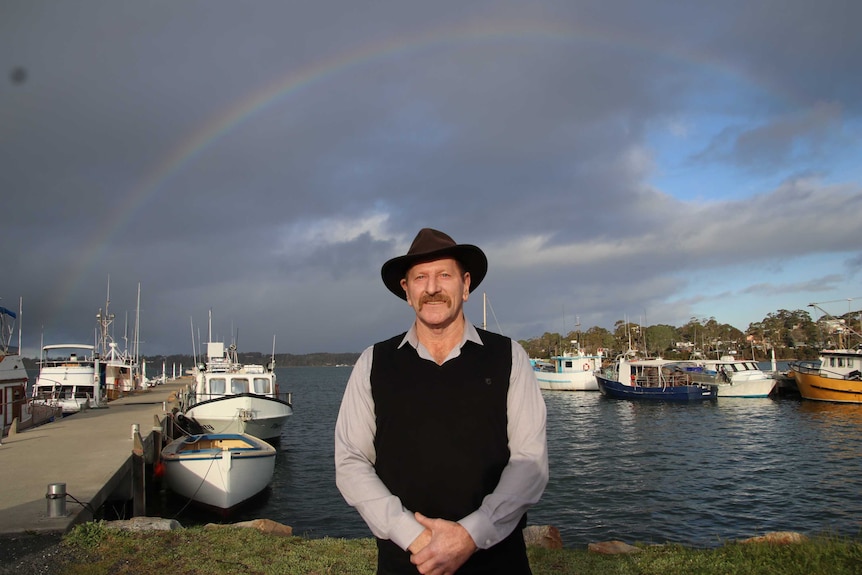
[{"x": 431, "y": 245}]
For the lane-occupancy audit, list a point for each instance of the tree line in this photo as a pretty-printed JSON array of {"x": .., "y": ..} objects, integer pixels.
[{"x": 792, "y": 334}]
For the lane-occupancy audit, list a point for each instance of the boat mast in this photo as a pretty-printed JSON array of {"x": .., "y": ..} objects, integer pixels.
[
  {"x": 138, "y": 325},
  {"x": 272, "y": 360},
  {"x": 194, "y": 352},
  {"x": 484, "y": 310},
  {"x": 105, "y": 320}
]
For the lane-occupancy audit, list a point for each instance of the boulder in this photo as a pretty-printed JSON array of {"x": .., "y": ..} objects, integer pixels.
[
  {"x": 262, "y": 525},
  {"x": 613, "y": 548},
  {"x": 546, "y": 536},
  {"x": 777, "y": 538},
  {"x": 144, "y": 524}
]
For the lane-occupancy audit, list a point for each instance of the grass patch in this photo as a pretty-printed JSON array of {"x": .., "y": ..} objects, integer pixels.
[{"x": 94, "y": 549}]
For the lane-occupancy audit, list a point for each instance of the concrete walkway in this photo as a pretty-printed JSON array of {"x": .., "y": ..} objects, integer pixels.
[{"x": 89, "y": 451}]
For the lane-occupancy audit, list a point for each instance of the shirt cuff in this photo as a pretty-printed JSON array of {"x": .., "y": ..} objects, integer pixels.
[
  {"x": 481, "y": 529},
  {"x": 405, "y": 531}
]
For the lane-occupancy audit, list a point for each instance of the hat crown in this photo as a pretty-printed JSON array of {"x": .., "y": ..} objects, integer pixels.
[{"x": 429, "y": 240}]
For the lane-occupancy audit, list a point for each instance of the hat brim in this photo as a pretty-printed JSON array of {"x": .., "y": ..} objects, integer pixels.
[{"x": 471, "y": 258}]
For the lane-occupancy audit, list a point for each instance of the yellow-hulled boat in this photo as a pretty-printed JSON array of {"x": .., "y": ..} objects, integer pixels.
[{"x": 838, "y": 378}]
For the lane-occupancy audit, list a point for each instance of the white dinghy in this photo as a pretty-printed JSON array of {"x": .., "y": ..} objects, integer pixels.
[{"x": 219, "y": 470}]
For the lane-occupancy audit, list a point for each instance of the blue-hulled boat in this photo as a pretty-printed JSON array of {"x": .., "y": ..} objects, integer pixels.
[{"x": 651, "y": 379}]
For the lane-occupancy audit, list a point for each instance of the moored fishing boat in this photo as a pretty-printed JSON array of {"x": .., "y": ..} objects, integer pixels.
[
  {"x": 651, "y": 379},
  {"x": 837, "y": 376},
  {"x": 733, "y": 377},
  {"x": 570, "y": 371},
  {"x": 218, "y": 470},
  {"x": 230, "y": 397},
  {"x": 70, "y": 377},
  {"x": 122, "y": 371}
]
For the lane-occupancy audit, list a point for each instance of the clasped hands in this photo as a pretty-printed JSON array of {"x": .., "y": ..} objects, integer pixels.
[{"x": 442, "y": 548}]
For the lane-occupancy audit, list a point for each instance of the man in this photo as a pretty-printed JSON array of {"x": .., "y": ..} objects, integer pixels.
[{"x": 440, "y": 439}]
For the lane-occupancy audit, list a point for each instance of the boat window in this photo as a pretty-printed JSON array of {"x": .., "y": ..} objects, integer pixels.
[
  {"x": 261, "y": 385},
  {"x": 217, "y": 385},
  {"x": 568, "y": 364},
  {"x": 238, "y": 385}
]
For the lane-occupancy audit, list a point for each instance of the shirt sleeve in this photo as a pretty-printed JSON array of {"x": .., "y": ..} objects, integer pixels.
[
  {"x": 355, "y": 455},
  {"x": 526, "y": 474}
]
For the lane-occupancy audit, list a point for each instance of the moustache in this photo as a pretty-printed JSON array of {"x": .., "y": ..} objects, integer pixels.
[{"x": 434, "y": 298}]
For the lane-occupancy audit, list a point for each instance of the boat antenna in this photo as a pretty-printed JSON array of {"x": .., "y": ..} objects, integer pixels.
[
  {"x": 194, "y": 352},
  {"x": 20, "y": 321},
  {"x": 138, "y": 326},
  {"x": 272, "y": 361},
  {"x": 578, "y": 330},
  {"x": 484, "y": 310}
]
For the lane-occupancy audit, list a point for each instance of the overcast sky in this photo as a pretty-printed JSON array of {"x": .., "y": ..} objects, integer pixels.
[{"x": 641, "y": 160}]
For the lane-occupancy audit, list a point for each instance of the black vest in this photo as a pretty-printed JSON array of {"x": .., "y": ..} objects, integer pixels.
[{"x": 441, "y": 437}]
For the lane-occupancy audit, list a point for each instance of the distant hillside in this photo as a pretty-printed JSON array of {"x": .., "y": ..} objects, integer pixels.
[{"x": 321, "y": 359}]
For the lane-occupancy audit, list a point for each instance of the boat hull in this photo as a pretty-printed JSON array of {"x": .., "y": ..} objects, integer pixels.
[
  {"x": 753, "y": 388},
  {"x": 580, "y": 381},
  {"x": 219, "y": 470},
  {"x": 819, "y": 388},
  {"x": 682, "y": 393},
  {"x": 256, "y": 415}
]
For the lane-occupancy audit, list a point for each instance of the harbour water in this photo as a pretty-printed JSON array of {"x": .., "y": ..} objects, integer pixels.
[{"x": 696, "y": 474}]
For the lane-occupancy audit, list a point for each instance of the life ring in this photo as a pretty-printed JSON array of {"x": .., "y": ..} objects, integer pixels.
[{"x": 586, "y": 367}]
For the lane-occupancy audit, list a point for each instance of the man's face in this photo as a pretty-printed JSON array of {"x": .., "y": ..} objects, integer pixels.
[{"x": 437, "y": 291}]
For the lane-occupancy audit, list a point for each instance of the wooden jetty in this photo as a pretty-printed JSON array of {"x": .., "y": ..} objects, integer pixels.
[{"x": 59, "y": 474}]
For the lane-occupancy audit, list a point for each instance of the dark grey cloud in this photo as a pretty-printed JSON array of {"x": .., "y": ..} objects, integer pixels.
[{"x": 263, "y": 160}]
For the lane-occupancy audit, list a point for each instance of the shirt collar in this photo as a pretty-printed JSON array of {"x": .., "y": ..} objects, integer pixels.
[{"x": 470, "y": 334}]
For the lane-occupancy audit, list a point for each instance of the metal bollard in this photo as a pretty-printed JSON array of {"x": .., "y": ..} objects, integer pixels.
[{"x": 56, "y": 498}]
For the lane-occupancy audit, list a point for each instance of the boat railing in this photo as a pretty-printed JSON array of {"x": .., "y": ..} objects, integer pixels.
[
  {"x": 673, "y": 379},
  {"x": 191, "y": 397},
  {"x": 808, "y": 367}
]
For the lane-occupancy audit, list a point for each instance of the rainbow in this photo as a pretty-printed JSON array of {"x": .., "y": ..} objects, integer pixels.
[{"x": 221, "y": 124}]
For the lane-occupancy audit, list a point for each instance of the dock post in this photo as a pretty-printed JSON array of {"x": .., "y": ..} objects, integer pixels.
[
  {"x": 139, "y": 473},
  {"x": 139, "y": 491},
  {"x": 56, "y": 499}
]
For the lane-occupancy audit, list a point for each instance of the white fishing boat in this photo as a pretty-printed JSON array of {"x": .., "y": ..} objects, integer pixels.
[
  {"x": 218, "y": 470},
  {"x": 571, "y": 371},
  {"x": 733, "y": 377},
  {"x": 71, "y": 377},
  {"x": 13, "y": 377},
  {"x": 230, "y": 397},
  {"x": 122, "y": 371}
]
